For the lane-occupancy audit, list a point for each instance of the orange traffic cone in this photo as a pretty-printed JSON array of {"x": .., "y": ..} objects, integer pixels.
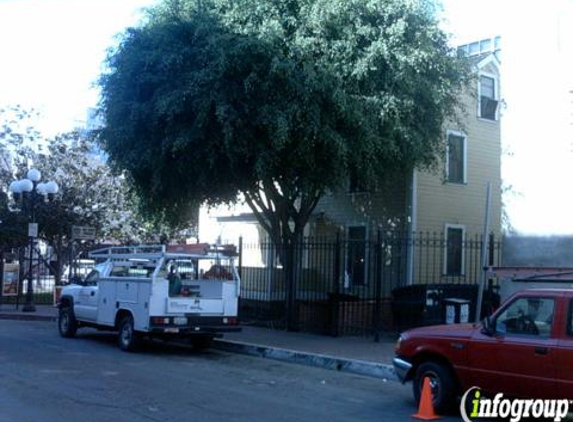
[{"x": 426, "y": 409}]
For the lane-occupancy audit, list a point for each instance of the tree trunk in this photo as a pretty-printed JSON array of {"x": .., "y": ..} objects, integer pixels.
[
  {"x": 292, "y": 244},
  {"x": 59, "y": 261},
  {"x": 283, "y": 215}
]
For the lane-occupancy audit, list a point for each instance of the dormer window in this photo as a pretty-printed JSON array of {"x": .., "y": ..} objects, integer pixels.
[{"x": 487, "y": 98}]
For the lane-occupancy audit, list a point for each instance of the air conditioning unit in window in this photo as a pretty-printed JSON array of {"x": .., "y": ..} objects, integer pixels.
[{"x": 488, "y": 108}]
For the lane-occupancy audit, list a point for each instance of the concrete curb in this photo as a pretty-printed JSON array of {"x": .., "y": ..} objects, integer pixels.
[{"x": 360, "y": 367}]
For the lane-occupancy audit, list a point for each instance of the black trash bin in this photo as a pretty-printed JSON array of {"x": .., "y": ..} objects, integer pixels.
[
  {"x": 425, "y": 304},
  {"x": 408, "y": 306},
  {"x": 416, "y": 305}
]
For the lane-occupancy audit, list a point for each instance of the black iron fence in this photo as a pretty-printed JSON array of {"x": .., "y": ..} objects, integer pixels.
[
  {"x": 342, "y": 286},
  {"x": 345, "y": 286},
  {"x": 16, "y": 269}
]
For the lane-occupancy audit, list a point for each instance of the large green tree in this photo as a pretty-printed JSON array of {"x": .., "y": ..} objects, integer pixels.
[{"x": 278, "y": 102}]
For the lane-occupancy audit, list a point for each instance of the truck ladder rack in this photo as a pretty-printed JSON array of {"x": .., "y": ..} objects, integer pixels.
[{"x": 198, "y": 250}]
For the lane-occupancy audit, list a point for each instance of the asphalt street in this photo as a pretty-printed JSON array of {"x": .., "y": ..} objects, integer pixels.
[{"x": 45, "y": 378}]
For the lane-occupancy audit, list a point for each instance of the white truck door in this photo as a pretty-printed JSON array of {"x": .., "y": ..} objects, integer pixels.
[
  {"x": 85, "y": 306},
  {"x": 92, "y": 302},
  {"x": 89, "y": 294}
]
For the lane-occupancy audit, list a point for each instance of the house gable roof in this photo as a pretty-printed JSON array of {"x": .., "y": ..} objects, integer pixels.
[{"x": 481, "y": 61}]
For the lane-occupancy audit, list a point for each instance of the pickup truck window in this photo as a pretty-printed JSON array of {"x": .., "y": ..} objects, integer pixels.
[
  {"x": 92, "y": 277},
  {"x": 531, "y": 316}
]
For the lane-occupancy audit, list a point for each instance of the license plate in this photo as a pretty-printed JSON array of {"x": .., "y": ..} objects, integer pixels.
[
  {"x": 180, "y": 320},
  {"x": 172, "y": 330}
]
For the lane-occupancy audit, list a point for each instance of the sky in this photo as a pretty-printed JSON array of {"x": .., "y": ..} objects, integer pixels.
[{"x": 51, "y": 53}]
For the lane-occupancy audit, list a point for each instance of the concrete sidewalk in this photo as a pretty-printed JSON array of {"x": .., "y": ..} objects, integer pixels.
[{"x": 350, "y": 354}]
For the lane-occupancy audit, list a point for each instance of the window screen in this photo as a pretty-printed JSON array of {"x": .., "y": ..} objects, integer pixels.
[
  {"x": 488, "y": 103},
  {"x": 487, "y": 88}
]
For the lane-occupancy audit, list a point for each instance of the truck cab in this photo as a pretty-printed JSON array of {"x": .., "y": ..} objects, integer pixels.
[{"x": 522, "y": 350}]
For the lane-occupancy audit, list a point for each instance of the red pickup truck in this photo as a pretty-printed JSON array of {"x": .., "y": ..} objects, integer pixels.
[{"x": 523, "y": 350}]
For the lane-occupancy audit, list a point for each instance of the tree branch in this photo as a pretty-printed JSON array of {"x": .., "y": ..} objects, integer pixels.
[{"x": 260, "y": 215}]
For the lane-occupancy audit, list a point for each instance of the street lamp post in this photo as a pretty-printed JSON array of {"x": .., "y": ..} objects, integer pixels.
[{"x": 30, "y": 189}]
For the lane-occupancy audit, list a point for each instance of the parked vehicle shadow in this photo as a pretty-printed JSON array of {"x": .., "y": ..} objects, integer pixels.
[{"x": 152, "y": 346}]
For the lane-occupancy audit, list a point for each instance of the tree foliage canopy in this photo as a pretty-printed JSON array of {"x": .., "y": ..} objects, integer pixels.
[{"x": 279, "y": 101}]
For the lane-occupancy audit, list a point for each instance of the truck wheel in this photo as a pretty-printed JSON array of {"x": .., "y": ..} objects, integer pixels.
[
  {"x": 128, "y": 339},
  {"x": 442, "y": 383},
  {"x": 67, "y": 323},
  {"x": 201, "y": 342}
]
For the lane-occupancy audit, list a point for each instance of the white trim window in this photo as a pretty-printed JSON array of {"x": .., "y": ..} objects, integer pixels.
[
  {"x": 488, "y": 96},
  {"x": 454, "y": 262},
  {"x": 456, "y": 157}
]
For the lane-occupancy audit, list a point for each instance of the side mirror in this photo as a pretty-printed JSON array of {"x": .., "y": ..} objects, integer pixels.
[
  {"x": 76, "y": 280},
  {"x": 488, "y": 326}
]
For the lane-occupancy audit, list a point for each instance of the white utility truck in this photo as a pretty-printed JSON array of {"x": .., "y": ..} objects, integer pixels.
[{"x": 168, "y": 292}]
